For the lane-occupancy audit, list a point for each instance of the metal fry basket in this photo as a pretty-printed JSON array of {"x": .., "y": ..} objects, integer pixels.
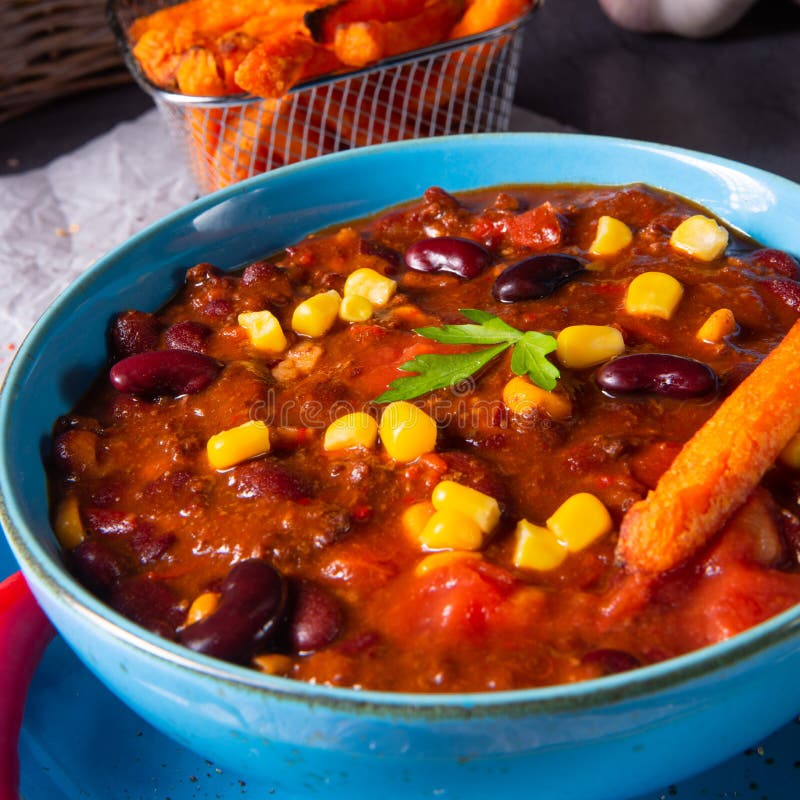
[{"x": 464, "y": 86}]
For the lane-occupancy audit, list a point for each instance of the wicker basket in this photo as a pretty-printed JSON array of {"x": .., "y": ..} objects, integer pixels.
[
  {"x": 52, "y": 48},
  {"x": 463, "y": 86}
]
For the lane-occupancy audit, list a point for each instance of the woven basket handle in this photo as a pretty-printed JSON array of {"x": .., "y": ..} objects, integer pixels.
[{"x": 24, "y": 634}]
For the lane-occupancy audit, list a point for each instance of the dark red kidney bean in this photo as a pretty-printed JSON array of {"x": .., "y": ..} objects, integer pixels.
[
  {"x": 611, "y": 661},
  {"x": 96, "y": 565},
  {"x": 393, "y": 259},
  {"x": 787, "y": 291},
  {"x": 252, "y": 601},
  {"x": 535, "y": 277},
  {"x": 218, "y": 308},
  {"x": 315, "y": 618},
  {"x": 202, "y": 273},
  {"x": 134, "y": 332},
  {"x": 268, "y": 478},
  {"x": 661, "y": 373},
  {"x": 777, "y": 261},
  {"x": 462, "y": 257},
  {"x": 149, "y": 603},
  {"x": 187, "y": 335},
  {"x": 109, "y": 522},
  {"x": 147, "y": 546},
  {"x": 75, "y": 451},
  {"x": 169, "y": 372}
]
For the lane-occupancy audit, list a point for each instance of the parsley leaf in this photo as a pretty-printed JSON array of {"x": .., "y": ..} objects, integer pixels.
[{"x": 439, "y": 370}]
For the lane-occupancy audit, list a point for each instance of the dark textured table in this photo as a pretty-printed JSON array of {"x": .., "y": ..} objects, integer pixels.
[{"x": 737, "y": 95}]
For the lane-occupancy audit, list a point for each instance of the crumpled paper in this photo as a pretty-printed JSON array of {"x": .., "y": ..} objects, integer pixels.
[{"x": 57, "y": 220}]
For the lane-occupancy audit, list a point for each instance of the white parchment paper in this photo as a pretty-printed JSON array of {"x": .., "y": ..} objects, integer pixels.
[{"x": 57, "y": 220}]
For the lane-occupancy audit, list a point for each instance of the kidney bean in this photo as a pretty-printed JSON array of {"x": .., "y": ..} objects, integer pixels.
[
  {"x": 149, "y": 603},
  {"x": 462, "y": 257},
  {"x": 109, "y": 522},
  {"x": 252, "y": 600},
  {"x": 786, "y": 290},
  {"x": 75, "y": 451},
  {"x": 187, "y": 335},
  {"x": 134, "y": 332},
  {"x": 315, "y": 618},
  {"x": 149, "y": 547},
  {"x": 777, "y": 261},
  {"x": 268, "y": 478},
  {"x": 660, "y": 373},
  {"x": 611, "y": 661},
  {"x": 535, "y": 277},
  {"x": 393, "y": 259},
  {"x": 170, "y": 372},
  {"x": 96, "y": 565},
  {"x": 218, "y": 308}
]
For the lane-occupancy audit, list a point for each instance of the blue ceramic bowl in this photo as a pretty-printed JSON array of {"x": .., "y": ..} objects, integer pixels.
[{"x": 608, "y": 738}]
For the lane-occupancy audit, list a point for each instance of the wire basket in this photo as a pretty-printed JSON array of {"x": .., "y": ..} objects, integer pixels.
[{"x": 465, "y": 86}]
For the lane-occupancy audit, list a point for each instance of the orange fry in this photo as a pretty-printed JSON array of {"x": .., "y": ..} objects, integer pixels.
[
  {"x": 482, "y": 15},
  {"x": 719, "y": 466},
  {"x": 322, "y": 22}
]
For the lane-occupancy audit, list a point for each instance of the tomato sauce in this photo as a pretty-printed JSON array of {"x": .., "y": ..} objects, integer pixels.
[{"x": 151, "y": 526}]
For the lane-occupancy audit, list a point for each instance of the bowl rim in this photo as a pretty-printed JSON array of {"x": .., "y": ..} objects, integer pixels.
[{"x": 49, "y": 577}]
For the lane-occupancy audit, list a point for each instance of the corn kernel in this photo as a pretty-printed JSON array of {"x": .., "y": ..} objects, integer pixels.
[
  {"x": 790, "y": 455},
  {"x": 700, "y": 237},
  {"x": 579, "y": 520},
  {"x": 416, "y": 517},
  {"x": 264, "y": 331},
  {"x": 406, "y": 431},
  {"x": 450, "y": 530},
  {"x": 444, "y": 559},
  {"x": 315, "y": 317},
  {"x": 612, "y": 236},
  {"x": 653, "y": 294},
  {"x": 521, "y": 397},
  {"x": 482, "y": 509},
  {"x": 355, "y": 308},
  {"x": 581, "y": 346},
  {"x": 273, "y": 663},
  {"x": 366, "y": 282},
  {"x": 230, "y": 447},
  {"x": 352, "y": 430},
  {"x": 537, "y": 547},
  {"x": 67, "y": 524},
  {"x": 204, "y": 605},
  {"x": 720, "y": 323}
]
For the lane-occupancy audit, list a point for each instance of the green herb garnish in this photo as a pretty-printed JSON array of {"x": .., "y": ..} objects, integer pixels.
[{"x": 438, "y": 370}]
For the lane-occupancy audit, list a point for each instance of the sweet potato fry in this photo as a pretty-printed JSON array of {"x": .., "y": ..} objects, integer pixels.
[
  {"x": 719, "y": 466},
  {"x": 276, "y": 65},
  {"x": 482, "y": 15},
  {"x": 322, "y": 22}
]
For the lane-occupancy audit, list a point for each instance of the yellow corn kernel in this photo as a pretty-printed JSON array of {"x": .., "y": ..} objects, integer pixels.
[
  {"x": 536, "y": 547},
  {"x": 264, "y": 331},
  {"x": 416, "y": 517},
  {"x": 444, "y": 559},
  {"x": 700, "y": 237},
  {"x": 720, "y": 323},
  {"x": 521, "y": 397},
  {"x": 581, "y": 346},
  {"x": 407, "y": 432},
  {"x": 315, "y": 317},
  {"x": 653, "y": 294},
  {"x": 352, "y": 430},
  {"x": 450, "y": 530},
  {"x": 612, "y": 236},
  {"x": 204, "y": 605},
  {"x": 579, "y": 520},
  {"x": 482, "y": 509},
  {"x": 67, "y": 524},
  {"x": 790, "y": 455},
  {"x": 273, "y": 663},
  {"x": 366, "y": 282},
  {"x": 230, "y": 447},
  {"x": 355, "y": 308}
]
